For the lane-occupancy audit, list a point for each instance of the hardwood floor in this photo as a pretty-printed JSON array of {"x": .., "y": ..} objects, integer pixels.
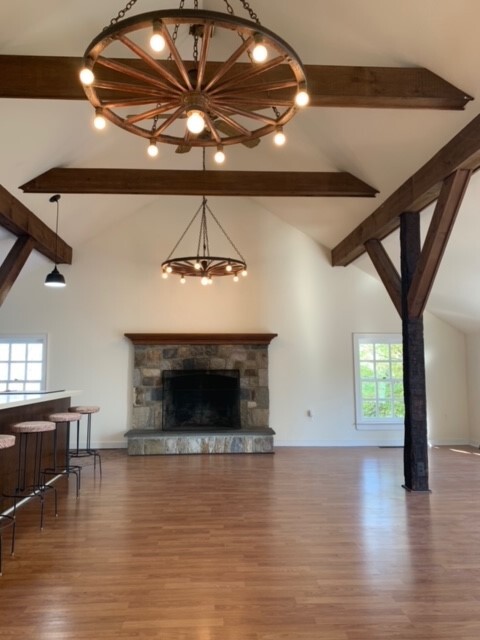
[{"x": 307, "y": 544}]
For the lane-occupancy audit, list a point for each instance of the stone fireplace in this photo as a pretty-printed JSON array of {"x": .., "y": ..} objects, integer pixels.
[{"x": 200, "y": 393}]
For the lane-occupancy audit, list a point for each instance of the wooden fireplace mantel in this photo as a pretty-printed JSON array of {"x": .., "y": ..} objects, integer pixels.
[{"x": 200, "y": 338}]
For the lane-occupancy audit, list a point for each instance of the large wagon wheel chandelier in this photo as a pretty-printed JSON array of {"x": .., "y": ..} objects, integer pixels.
[{"x": 168, "y": 90}]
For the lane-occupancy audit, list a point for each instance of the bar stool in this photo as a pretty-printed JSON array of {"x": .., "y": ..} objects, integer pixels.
[
  {"x": 65, "y": 469},
  {"x": 87, "y": 451},
  {"x": 31, "y": 482},
  {"x": 6, "y": 441}
]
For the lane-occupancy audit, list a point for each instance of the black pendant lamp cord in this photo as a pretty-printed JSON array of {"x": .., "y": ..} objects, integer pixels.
[{"x": 56, "y": 198}]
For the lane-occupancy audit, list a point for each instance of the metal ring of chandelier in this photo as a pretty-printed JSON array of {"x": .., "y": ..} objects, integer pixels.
[
  {"x": 147, "y": 96},
  {"x": 207, "y": 266}
]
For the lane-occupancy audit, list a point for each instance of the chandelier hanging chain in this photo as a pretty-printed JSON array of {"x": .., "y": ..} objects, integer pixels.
[
  {"x": 176, "y": 28},
  {"x": 251, "y": 12},
  {"x": 203, "y": 235},
  {"x": 185, "y": 232},
  {"x": 121, "y": 13},
  {"x": 195, "y": 38},
  {"x": 223, "y": 231}
]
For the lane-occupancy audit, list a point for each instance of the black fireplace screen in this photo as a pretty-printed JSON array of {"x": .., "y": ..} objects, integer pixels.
[{"x": 201, "y": 399}]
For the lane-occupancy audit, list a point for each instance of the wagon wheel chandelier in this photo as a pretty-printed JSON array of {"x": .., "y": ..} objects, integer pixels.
[
  {"x": 168, "y": 90},
  {"x": 203, "y": 265}
]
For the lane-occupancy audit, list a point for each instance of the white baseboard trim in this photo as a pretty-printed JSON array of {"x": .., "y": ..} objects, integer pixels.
[
  {"x": 336, "y": 443},
  {"x": 450, "y": 443},
  {"x": 111, "y": 444}
]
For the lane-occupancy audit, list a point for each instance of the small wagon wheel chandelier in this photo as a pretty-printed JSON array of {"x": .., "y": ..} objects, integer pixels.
[
  {"x": 168, "y": 80},
  {"x": 203, "y": 265}
]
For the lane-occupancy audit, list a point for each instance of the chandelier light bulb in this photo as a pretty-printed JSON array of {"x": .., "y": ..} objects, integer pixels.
[
  {"x": 219, "y": 156},
  {"x": 279, "y": 138},
  {"x": 152, "y": 149},
  {"x": 302, "y": 98},
  {"x": 197, "y": 266},
  {"x": 86, "y": 76},
  {"x": 260, "y": 52},
  {"x": 169, "y": 269},
  {"x": 183, "y": 280},
  {"x": 235, "y": 278},
  {"x": 195, "y": 122},
  {"x": 244, "y": 273},
  {"x": 164, "y": 275},
  {"x": 228, "y": 268},
  {"x": 210, "y": 280},
  {"x": 157, "y": 41},
  {"x": 204, "y": 280},
  {"x": 99, "y": 121}
]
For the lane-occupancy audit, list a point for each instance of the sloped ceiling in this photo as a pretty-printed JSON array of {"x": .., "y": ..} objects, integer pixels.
[{"x": 381, "y": 147}]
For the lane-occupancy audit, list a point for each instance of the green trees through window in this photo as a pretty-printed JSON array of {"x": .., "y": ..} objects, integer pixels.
[{"x": 379, "y": 378}]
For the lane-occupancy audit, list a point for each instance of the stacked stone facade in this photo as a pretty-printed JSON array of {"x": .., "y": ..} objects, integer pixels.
[{"x": 151, "y": 360}]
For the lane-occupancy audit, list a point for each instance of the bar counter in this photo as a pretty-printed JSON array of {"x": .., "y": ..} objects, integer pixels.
[{"x": 20, "y": 407}]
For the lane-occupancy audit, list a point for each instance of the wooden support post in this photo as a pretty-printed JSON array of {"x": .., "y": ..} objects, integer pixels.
[{"x": 416, "y": 445}]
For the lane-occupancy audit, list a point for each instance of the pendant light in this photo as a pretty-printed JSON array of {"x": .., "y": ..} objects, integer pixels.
[{"x": 55, "y": 278}]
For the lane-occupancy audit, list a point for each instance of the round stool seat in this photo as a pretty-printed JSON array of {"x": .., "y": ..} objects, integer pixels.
[
  {"x": 85, "y": 409},
  {"x": 69, "y": 416},
  {"x": 6, "y": 441},
  {"x": 34, "y": 426}
]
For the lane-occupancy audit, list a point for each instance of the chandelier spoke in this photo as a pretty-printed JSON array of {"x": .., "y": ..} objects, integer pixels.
[
  {"x": 134, "y": 102},
  {"x": 228, "y": 64},
  {"x": 137, "y": 74},
  {"x": 151, "y": 113},
  {"x": 260, "y": 87},
  {"x": 248, "y": 73},
  {"x": 126, "y": 87},
  {"x": 226, "y": 118},
  {"x": 177, "y": 57},
  {"x": 213, "y": 129},
  {"x": 174, "y": 116},
  {"x": 246, "y": 114},
  {"x": 160, "y": 69},
  {"x": 202, "y": 61},
  {"x": 257, "y": 102}
]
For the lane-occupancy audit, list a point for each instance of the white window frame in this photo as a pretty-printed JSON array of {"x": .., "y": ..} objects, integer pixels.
[
  {"x": 11, "y": 339},
  {"x": 364, "y": 422}
]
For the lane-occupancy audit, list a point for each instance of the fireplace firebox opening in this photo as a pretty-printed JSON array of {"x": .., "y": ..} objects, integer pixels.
[{"x": 200, "y": 399}]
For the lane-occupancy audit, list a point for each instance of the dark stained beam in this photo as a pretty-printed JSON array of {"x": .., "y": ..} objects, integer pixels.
[
  {"x": 387, "y": 272},
  {"x": 212, "y": 183},
  {"x": 13, "y": 264},
  {"x": 436, "y": 240},
  {"x": 415, "y": 451},
  {"x": 16, "y": 218},
  {"x": 56, "y": 78},
  {"x": 423, "y": 188}
]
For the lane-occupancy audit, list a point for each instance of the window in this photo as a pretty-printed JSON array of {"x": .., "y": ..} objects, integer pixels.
[
  {"x": 379, "y": 381},
  {"x": 22, "y": 363}
]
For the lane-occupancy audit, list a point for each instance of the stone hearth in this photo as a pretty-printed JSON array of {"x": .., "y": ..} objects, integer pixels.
[{"x": 156, "y": 353}]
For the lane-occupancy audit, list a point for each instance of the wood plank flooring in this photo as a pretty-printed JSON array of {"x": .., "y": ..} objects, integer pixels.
[{"x": 306, "y": 544}]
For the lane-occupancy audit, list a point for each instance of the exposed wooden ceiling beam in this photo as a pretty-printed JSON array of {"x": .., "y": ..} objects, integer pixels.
[
  {"x": 423, "y": 188},
  {"x": 13, "y": 264},
  {"x": 56, "y": 78},
  {"x": 16, "y": 218},
  {"x": 212, "y": 183},
  {"x": 387, "y": 272},
  {"x": 439, "y": 231}
]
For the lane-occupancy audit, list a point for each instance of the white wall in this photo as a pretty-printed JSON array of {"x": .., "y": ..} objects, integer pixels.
[
  {"x": 473, "y": 372},
  {"x": 115, "y": 287}
]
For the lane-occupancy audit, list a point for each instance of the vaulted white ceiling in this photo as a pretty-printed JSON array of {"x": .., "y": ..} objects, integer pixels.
[{"x": 382, "y": 147}]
